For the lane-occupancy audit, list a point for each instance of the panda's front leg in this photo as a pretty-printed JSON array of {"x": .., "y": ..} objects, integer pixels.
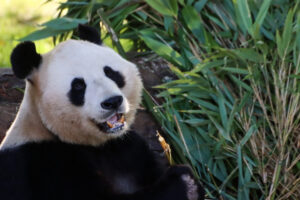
[{"x": 176, "y": 184}]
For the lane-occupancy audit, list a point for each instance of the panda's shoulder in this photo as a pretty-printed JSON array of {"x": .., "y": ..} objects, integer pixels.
[
  {"x": 44, "y": 159},
  {"x": 32, "y": 151},
  {"x": 18, "y": 161}
]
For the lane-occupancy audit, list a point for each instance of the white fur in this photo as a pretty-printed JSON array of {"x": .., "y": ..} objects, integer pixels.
[
  {"x": 192, "y": 188},
  {"x": 49, "y": 105}
]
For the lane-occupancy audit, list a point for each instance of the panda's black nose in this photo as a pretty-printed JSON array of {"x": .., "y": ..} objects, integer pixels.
[{"x": 112, "y": 103}]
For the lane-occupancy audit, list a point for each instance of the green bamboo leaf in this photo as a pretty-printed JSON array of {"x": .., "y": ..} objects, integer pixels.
[
  {"x": 177, "y": 72},
  {"x": 119, "y": 16},
  {"x": 230, "y": 121},
  {"x": 208, "y": 65},
  {"x": 164, "y": 50},
  {"x": 193, "y": 22},
  {"x": 175, "y": 83},
  {"x": 298, "y": 32},
  {"x": 261, "y": 17},
  {"x": 252, "y": 185},
  {"x": 54, "y": 27},
  {"x": 196, "y": 122},
  {"x": 41, "y": 34},
  {"x": 245, "y": 14},
  {"x": 165, "y": 7},
  {"x": 295, "y": 76},
  {"x": 64, "y": 23},
  {"x": 246, "y": 98},
  {"x": 199, "y": 5},
  {"x": 287, "y": 33},
  {"x": 174, "y": 6},
  {"x": 241, "y": 83},
  {"x": 241, "y": 177},
  {"x": 279, "y": 44},
  {"x": 236, "y": 70},
  {"x": 204, "y": 104},
  {"x": 169, "y": 24},
  {"x": 181, "y": 2},
  {"x": 228, "y": 178},
  {"x": 111, "y": 31},
  {"x": 222, "y": 110},
  {"x": 283, "y": 42},
  {"x": 221, "y": 130},
  {"x": 249, "y": 133},
  {"x": 248, "y": 54}
]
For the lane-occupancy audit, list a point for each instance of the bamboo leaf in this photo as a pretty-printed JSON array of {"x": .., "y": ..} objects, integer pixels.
[
  {"x": 249, "y": 133},
  {"x": 41, "y": 34},
  {"x": 222, "y": 110},
  {"x": 64, "y": 23},
  {"x": 208, "y": 65},
  {"x": 163, "y": 50},
  {"x": 245, "y": 14},
  {"x": 261, "y": 17},
  {"x": 247, "y": 54},
  {"x": 199, "y": 5},
  {"x": 287, "y": 33},
  {"x": 165, "y": 7},
  {"x": 236, "y": 70},
  {"x": 298, "y": 32},
  {"x": 54, "y": 27},
  {"x": 196, "y": 122},
  {"x": 193, "y": 22}
]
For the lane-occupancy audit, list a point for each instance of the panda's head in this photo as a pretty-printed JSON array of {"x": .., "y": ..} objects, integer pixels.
[{"x": 83, "y": 92}]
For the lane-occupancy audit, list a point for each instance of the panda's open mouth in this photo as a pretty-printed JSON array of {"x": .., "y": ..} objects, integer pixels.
[{"x": 113, "y": 124}]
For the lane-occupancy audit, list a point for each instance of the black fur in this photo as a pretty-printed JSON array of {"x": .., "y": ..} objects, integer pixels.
[
  {"x": 77, "y": 91},
  {"x": 115, "y": 76},
  {"x": 24, "y": 59},
  {"x": 56, "y": 171},
  {"x": 89, "y": 33},
  {"x": 112, "y": 103}
]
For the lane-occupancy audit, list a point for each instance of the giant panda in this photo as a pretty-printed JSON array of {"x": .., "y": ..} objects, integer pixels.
[{"x": 71, "y": 136}]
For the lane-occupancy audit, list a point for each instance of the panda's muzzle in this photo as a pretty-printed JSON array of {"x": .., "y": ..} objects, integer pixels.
[{"x": 113, "y": 124}]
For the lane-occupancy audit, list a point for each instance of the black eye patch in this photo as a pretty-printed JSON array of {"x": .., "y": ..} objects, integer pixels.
[
  {"x": 115, "y": 76},
  {"x": 77, "y": 91}
]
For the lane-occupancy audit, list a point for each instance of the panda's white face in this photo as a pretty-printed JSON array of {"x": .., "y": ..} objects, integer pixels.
[{"x": 87, "y": 93}]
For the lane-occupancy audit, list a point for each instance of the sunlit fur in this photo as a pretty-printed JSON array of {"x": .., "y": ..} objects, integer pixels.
[{"x": 46, "y": 109}]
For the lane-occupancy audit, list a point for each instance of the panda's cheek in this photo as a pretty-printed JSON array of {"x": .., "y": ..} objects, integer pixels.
[{"x": 126, "y": 106}]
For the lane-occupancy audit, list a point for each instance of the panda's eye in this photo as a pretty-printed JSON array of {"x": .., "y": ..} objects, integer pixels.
[
  {"x": 78, "y": 84},
  {"x": 115, "y": 76},
  {"x": 77, "y": 91}
]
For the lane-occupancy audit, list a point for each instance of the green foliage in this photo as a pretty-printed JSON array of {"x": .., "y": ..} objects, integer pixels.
[
  {"x": 233, "y": 111},
  {"x": 18, "y": 18},
  {"x": 54, "y": 28}
]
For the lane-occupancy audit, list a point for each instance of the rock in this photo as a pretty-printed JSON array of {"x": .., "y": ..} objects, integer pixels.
[
  {"x": 11, "y": 88},
  {"x": 10, "y": 97},
  {"x": 153, "y": 72}
]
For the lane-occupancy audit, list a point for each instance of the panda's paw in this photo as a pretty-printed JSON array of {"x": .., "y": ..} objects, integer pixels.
[
  {"x": 193, "y": 190},
  {"x": 191, "y": 186}
]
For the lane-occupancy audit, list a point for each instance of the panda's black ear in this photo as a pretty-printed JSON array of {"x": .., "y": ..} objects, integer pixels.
[
  {"x": 89, "y": 33},
  {"x": 24, "y": 59}
]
